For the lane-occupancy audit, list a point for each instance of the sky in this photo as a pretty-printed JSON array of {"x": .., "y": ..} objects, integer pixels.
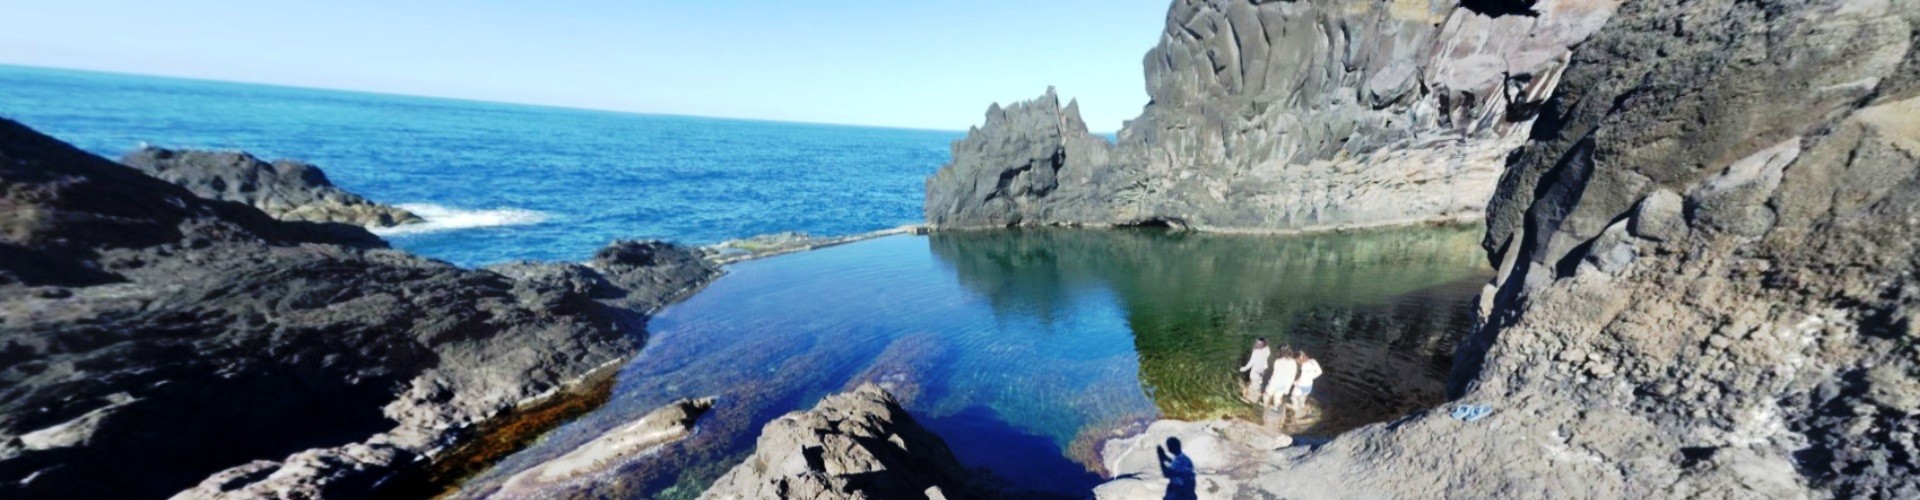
[{"x": 933, "y": 64}]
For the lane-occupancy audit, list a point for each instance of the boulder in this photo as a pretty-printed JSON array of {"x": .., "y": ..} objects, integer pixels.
[{"x": 857, "y": 444}]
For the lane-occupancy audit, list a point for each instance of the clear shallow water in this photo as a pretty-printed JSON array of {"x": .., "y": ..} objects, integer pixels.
[
  {"x": 1024, "y": 349},
  {"x": 508, "y": 182}
]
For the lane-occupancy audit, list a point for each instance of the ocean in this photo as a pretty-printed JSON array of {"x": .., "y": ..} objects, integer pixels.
[{"x": 503, "y": 182}]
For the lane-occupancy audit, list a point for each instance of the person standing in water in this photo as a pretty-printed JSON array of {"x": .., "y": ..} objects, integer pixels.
[
  {"x": 1284, "y": 370},
  {"x": 1309, "y": 370},
  {"x": 1256, "y": 369}
]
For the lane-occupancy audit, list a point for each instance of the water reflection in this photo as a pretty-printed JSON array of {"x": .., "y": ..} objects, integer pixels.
[
  {"x": 1024, "y": 348},
  {"x": 1379, "y": 309}
]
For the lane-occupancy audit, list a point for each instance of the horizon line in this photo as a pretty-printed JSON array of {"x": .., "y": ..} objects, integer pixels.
[{"x": 478, "y": 101}]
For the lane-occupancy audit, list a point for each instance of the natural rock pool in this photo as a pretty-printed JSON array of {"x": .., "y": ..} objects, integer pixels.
[{"x": 1024, "y": 349}]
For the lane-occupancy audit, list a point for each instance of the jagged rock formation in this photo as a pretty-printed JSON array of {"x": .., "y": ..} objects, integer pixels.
[
  {"x": 152, "y": 339},
  {"x": 286, "y": 190},
  {"x": 1032, "y": 163},
  {"x": 857, "y": 444},
  {"x": 1707, "y": 275},
  {"x": 1284, "y": 116}
]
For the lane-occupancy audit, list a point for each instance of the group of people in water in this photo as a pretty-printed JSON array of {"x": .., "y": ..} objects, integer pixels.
[{"x": 1292, "y": 380}]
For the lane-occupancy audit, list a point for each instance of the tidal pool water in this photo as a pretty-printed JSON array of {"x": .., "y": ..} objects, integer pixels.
[{"x": 1024, "y": 349}]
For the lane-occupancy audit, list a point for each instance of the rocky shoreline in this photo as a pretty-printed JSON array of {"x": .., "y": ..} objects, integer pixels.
[{"x": 284, "y": 358}]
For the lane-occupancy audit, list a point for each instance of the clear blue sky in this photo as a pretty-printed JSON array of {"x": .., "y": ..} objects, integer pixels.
[{"x": 908, "y": 63}]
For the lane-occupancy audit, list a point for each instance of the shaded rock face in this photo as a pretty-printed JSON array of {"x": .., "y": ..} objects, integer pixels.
[
  {"x": 1284, "y": 116},
  {"x": 152, "y": 339},
  {"x": 857, "y": 444},
  {"x": 1707, "y": 274},
  {"x": 286, "y": 190}
]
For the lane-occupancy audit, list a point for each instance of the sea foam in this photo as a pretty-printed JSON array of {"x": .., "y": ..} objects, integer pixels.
[{"x": 443, "y": 218}]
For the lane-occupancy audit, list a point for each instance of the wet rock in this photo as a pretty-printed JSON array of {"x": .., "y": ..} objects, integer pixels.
[
  {"x": 649, "y": 434},
  {"x": 286, "y": 190},
  {"x": 858, "y": 444},
  {"x": 201, "y": 342},
  {"x": 1283, "y": 116}
]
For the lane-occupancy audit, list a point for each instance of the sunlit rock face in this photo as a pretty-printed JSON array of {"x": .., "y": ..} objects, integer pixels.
[{"x": 1284, "y": 116}]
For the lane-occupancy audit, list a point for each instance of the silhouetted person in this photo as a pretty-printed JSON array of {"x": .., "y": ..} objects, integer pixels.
[{"x": 1179, "y": 471}]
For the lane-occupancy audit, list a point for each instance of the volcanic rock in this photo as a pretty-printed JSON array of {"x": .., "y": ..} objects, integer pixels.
[
  {"x": 286, "y": 190},
  {"x": 153, "y": 340}
]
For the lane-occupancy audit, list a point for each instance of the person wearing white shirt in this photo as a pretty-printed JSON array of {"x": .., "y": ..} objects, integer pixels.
[
  {"x": 1309, "y": 370},
  {"x": 1256, "y": 368},
  {"x": 1284, "y": 369}
]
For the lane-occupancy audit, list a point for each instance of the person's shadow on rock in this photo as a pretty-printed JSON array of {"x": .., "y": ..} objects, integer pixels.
[{"x": 1178, "y": 469}]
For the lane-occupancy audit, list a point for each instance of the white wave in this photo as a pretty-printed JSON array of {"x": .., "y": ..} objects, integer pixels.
[{"x": 442, "y": 218}]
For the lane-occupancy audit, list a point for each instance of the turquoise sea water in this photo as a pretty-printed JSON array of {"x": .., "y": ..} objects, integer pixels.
[{"x": 507, "y": 182}]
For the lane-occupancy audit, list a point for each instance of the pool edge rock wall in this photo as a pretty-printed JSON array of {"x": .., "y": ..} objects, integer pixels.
[
  {"x": 1283, "y": 116},
  {"x": 155, "y": 340}
]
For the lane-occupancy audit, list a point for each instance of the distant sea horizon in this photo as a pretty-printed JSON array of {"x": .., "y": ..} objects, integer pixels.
[
  {"x": 500, "y": 181},
  {"x": 390, "y": 94}
]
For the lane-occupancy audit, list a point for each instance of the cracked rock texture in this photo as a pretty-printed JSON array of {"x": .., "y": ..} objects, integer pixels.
[
  {"x": 856, "y": 444},
  {"x": 286, "y": 190},
  {"x": 153, "y": 341},
  {"x": 1706, "y": 287},
  {"x": 1284, "y": 116}
]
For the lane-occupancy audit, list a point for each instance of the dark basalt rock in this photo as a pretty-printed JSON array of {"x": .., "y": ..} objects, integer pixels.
[
  {"x": 153, "y": 340},
  {"x": 286, "y": 190}
]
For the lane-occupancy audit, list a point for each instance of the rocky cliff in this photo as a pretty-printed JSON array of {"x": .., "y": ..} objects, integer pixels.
[
  {"x": 286, "y": 190},
  {"x": 857, "y": 444},
  {"x": 1706, "y": 275},
  {"x": 1284, "y": 116},
  {"x": 153, "y": 340}
]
